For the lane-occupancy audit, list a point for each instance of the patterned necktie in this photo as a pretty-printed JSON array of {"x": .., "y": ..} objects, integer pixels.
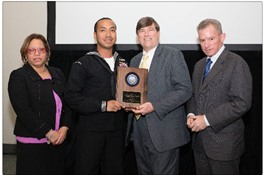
[
  {"x": 207, "y": 68},
  {"x": 144, "y": 64}
]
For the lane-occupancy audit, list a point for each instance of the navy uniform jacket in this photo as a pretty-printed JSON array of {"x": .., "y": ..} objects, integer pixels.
[{"x": 91, "y": 81}]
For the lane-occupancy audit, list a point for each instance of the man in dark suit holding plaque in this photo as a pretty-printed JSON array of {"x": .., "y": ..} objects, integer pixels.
[
  {"x": 222, "y": 92},
  {"x": 159, "y": 128},
  {"x": 91, "y": 92}
]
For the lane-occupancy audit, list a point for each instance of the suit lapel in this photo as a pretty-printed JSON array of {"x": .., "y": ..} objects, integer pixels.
[
  {"x": 154, "y": 70},
  {"x": 155, "y": 63},
  {"x": 214, "y": 70},
  {"x": 136, "y": 61},
  {"x": 201, "y": 72}
]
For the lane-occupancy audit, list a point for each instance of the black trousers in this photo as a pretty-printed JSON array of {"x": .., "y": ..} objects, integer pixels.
[
  {"x": 99, "y": 152},
  {"x": 40, "y": 159},
  {"x": 149, "y": 160},
  {"x": 207, "y": 166}
]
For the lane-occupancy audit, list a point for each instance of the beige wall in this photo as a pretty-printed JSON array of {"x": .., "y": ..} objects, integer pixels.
[{"x": 20, "y": 19}]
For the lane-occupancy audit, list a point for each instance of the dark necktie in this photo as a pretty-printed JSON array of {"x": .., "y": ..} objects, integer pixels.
[{"x": 207, "y": 68}]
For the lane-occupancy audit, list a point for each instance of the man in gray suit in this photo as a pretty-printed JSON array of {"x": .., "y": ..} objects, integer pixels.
[
  {"x": 161, "y": 129},
  {"x": 222, "y": 94}
]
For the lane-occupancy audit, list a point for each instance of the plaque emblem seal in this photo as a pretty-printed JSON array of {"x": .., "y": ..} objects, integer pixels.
[{"x": 132, "y": 79}]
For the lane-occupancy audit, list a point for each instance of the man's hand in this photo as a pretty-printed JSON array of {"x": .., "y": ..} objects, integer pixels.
[
  {"x": 196, "y": 123},
  {"x": 127, "y": 109},
  {"x": 144, "y": 109},
  {"x": 190, "y": 119},
  {"x": 114, "y": 106}
]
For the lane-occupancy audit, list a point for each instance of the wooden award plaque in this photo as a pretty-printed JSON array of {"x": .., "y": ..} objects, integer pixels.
[{"x": 132, "y": 86}]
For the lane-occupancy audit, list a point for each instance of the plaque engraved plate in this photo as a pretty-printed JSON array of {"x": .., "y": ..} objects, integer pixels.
[
  {"x": 132, "y": 86},
  {"x": 131, "y": 97}
]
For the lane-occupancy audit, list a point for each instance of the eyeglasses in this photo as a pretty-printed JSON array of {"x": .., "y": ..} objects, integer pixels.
[{"x": 33, "y": 51}]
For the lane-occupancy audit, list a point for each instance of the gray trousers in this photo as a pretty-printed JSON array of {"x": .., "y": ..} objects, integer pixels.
[
  {"x": 206, "y": 166},
  {"x": 148, "y": 159}
]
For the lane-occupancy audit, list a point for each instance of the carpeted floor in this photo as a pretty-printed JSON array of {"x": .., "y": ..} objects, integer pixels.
[{"x": 9, "y": 164}]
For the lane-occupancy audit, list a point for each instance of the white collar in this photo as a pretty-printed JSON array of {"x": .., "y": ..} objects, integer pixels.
[
  {"x": 151, "y": 52},
  {"x": 216, "y": 56}
]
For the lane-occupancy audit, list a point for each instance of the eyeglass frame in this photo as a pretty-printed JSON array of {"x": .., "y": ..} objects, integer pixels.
[{"x": 37, "y": 50}]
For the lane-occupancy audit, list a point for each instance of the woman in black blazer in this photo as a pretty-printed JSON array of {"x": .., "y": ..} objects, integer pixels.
[{"x": 36, "y": 93}]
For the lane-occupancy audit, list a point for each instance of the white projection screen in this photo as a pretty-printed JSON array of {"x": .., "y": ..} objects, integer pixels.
[{"x": 241, "y": 20}]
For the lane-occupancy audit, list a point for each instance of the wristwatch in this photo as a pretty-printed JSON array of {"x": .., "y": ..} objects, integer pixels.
[{"x": 103, "y": 106}]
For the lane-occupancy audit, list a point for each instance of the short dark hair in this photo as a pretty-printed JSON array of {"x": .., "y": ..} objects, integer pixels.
[
  {"x": 146, "y": 21},
  {"x": 27, "y": 42},
  {"x": 104, "y": 18}
]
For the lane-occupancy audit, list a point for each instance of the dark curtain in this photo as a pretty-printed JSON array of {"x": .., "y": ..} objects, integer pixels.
[{"x": 251, "y": 160}]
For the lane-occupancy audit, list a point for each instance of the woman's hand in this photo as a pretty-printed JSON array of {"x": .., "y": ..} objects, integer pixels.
[
  {"x": 52, "y": 136},
  {"x": 62, "y": 135}
]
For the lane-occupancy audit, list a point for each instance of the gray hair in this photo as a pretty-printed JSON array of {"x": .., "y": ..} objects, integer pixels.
[{"x": 205, "y": 23}]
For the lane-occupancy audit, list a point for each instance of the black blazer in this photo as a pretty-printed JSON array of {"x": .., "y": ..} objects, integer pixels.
[
  {"x": 90, "y": 82},
  {"x": 33, "y": 101}
]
